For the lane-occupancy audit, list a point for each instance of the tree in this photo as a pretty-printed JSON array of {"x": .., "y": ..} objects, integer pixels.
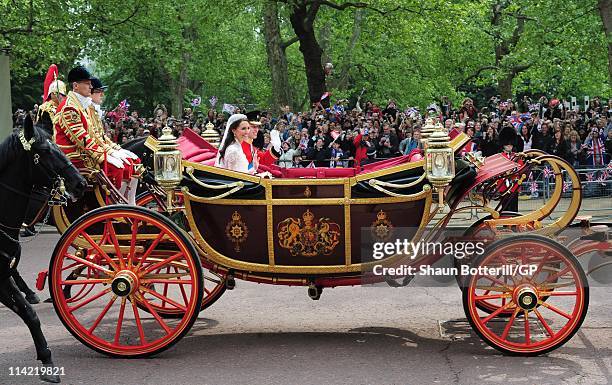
[
  {"x": 277, "y": 58},
  {"x": 605, "y": 12}
]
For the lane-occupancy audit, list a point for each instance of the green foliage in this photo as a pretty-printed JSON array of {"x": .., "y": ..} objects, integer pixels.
[{"x": 151, "y": 52}]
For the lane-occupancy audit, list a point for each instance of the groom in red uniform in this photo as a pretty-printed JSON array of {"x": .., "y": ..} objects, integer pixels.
[{"x": 254, "y": 155}]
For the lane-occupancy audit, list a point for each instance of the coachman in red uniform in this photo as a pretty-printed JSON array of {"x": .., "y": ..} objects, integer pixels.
[{"x": 74, "y": 134}]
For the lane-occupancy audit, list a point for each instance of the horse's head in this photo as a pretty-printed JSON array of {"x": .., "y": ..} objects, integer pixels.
[{"x": 48, "y": 164}]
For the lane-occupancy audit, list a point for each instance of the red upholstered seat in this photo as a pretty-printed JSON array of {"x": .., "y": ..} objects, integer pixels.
[
  {"x": 195, "y": 148},
  {"x": 318, "y": 172},
  {"x": 383, "y": 164}
]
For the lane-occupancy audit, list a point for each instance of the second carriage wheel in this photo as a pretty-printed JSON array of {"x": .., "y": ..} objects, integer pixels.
[
  {"x": 114, "y": 272},
  {"x": 546, "y": 309},
  {"x": 480, "y": 230}
]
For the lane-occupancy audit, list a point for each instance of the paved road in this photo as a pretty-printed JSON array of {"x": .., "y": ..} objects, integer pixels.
[{"x": 261, "y": 334}]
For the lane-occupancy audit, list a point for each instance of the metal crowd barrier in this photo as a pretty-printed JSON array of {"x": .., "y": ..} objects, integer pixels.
[{"x": 596, "y": 191}]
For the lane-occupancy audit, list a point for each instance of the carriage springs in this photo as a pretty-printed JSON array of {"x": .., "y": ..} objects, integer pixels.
[{"x": 460, "y": 250}]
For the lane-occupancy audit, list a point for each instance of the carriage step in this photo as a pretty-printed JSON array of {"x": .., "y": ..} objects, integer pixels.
[{"x": 41, "y": 279}]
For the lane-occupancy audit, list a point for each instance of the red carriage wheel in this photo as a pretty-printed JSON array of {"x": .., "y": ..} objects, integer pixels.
[
  {"x": 546, "y": 309},
  {"x": 481, "y": 230},
  {"x": 137, "y": 248}
]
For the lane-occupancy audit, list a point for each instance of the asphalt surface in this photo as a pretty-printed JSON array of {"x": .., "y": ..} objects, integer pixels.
[{"x": 259, "y": 334}]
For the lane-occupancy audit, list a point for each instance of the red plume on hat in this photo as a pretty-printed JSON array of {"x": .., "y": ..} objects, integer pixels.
[{"x": 52, "y": 75}]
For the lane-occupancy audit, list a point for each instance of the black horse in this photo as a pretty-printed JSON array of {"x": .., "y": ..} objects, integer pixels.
[{"x": 28, "y": 160}]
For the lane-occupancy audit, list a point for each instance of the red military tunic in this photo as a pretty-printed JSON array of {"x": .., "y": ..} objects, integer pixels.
[
  {"x": 257, "y": 157},
  {"x": 96, "y": 131},
  {"x": 73, "y": 136}
]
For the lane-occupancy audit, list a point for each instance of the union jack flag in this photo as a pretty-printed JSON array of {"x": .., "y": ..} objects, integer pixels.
[
  {"x": 548, "y": 172},
  {"x": 124, "y": 105},
  {"x": 566, "y": 185},
  {"x": 590, "y": 177},
  {"x": 213, "y": 101}
]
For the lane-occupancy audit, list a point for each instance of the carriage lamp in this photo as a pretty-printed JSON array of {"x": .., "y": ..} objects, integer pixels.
[
  {"x": 427, "y": 130},
  {"x": 211, "y": 135},
  {"x": 440, "y": 161},
  {"x": 167, "y": 165}
]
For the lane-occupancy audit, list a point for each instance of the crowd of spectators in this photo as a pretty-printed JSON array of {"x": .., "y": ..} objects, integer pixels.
[{"x": 344, "y": 136}]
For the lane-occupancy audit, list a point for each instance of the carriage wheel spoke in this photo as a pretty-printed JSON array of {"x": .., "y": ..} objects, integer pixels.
[
  {"x": 70, "y": 266},
  {"x": 99, "y": 250},
  {"x": 492, "y": 296},
  {"x": 120, "y": 321},
  {"x": 558, "y": 285},
  {"x": 163, "y": 298},
  {"x": 143, "y": 340},
  {"x": 168, "y": 281},
  {"x": 162, "y": 263},
  {"x": 544, "y": 323},
  {"x": 558, "y": 293},
  {"x": 496, "y": 312},
  {"x": 557, "y": 275},
  {"x": 539, "y": 268},
  {"x": 493, "y": 288},
  {"x": 163, "y": 276},
  {"x": 150, "y": 250},
  {"x": 497, "y": 281},
  {"x": 556, "y": 310},
  {"x": 509, "y": 324},
  {"x": 89, "y": 263},
  {"x": 185, "y": 300},
  {"x": 527, "y": 333},
  {"x": 132, "y": 255},
  {"x": 93, "y": 281},
  {"x": 103, "y": 313},
  {"x": 160, "y": 321},
  {"x": 113, "y": 237},
  {"x": 89, "y": 300}
]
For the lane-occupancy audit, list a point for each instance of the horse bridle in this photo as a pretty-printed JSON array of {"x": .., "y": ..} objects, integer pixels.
[
  {"x": 58, "y": 191},
  {"x": 57, "y": 195}
]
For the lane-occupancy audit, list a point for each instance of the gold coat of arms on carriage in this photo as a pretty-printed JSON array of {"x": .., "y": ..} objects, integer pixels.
[
  {"x": 236, "y": 231},
  {"x": 381, "y": 228},
  {"x": 308, "y": 237}
]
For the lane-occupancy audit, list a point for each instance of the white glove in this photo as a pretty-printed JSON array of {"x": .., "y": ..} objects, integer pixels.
[
  {"x": 128, "y": 153},
  {"x": 120, "y": 155},
  {"x": 115, "y": 161},
  {"x": 275, "y": 140}
]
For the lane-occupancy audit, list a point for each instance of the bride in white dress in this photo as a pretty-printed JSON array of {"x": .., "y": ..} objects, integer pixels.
[{"x": 230, "y": 155}]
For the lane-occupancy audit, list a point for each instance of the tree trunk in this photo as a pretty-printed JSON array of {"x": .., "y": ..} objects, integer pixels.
[
  {"x": 505, "y": 46},
  {"x": 505, "y": 86},
  {"x": 302, "y": 21},
  {"x": 178, "y": 87},
  {"x": 343, "y": 75},
  {"x": 605, "y": 12},
  {"x": 6, "y": 113},
  {"x": 277, "y": 59}
]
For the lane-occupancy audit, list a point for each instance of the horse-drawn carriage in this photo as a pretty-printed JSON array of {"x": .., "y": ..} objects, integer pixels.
[{"x": 130, "y": 281}]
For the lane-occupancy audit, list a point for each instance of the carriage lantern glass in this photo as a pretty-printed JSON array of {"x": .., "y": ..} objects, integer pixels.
[
  {"x": 167, "y": 161},
  {"x": 440, "y": 161}
]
